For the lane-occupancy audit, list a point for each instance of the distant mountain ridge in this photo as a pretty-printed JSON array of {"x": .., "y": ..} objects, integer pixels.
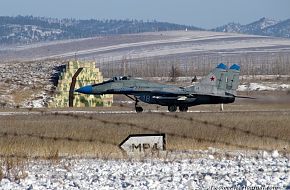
[
  {"x": 29, "y": 29},
  {"x": 264, "y": 27}
]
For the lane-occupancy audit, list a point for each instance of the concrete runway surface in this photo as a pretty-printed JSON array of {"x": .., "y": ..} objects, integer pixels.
[{"x": 9, "y": 113}]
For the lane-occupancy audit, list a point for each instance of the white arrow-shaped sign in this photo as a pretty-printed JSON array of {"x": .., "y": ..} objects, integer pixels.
[{"x": 143, "y": 143}]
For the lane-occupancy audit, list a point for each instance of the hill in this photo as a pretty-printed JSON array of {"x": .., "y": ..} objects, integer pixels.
[
  {"x": 29, "y": 29},
  {"x": 264, "y": 27}
]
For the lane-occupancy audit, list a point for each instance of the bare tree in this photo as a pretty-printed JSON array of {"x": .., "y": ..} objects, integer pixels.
[{"x": 174, "y": 73}]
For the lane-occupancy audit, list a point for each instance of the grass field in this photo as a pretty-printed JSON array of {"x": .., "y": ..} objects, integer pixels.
[{"x": 241, "y": 126}]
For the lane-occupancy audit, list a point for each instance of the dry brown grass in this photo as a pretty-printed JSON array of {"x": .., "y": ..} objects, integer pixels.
[
  {"x": 99, "y": 134},
  {"x": 21, "y": 95},
  {"x": 13, "y": 169}
]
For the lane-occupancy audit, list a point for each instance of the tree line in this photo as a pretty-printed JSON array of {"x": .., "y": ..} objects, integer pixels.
[{"x": 189, "y": 66}]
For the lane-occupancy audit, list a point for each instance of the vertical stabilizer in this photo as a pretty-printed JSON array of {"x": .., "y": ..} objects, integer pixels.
[
  {"x": 233, "y": 79},
  {"x": 219, "y": 82},
  {"x": 217, "y": 77},
  {"x": 214, "y": 83}
]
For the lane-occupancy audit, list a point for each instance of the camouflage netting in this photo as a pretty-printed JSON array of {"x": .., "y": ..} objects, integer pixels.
[{"x": 89, "y": 75}]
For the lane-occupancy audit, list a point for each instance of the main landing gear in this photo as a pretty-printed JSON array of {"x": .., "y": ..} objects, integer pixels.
[
  {"x": 183, "y": 108},
  {"x": 173, "y": 108}
]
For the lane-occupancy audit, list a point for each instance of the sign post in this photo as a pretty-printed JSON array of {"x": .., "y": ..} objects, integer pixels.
[{"x": 142, "y": 144}]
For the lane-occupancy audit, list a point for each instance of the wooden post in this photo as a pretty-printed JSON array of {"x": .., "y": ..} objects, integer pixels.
[{"x": 72, "y": 87}]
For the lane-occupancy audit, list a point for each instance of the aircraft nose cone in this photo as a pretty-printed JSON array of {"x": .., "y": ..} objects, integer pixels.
[{"x": 85, "y": 89}]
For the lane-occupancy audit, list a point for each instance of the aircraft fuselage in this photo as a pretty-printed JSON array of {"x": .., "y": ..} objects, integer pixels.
[{"x": 154, "y": 93}]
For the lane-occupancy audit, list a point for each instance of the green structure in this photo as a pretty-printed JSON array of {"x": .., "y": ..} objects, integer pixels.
[{"x": 89, "y": 75}]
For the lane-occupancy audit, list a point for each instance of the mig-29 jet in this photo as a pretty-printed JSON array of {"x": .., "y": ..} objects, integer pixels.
[{"x": 218, "y": 87}]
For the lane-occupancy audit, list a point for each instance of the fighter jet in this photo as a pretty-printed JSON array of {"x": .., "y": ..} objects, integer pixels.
[{"x": 218, "y": 87}]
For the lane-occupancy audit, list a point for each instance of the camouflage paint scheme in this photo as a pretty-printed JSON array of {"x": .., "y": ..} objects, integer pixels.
[{"x": 218, "y": 87}]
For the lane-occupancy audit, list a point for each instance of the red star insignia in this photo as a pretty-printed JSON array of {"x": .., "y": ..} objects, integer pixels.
[{"x": 212, "y": 78}]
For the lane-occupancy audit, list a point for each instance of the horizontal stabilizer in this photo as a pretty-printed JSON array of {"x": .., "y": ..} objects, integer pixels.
[{"x": 245, "y": 97}]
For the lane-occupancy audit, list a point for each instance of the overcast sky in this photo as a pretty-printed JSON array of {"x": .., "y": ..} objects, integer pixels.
[{"x": 201, "y": 13}]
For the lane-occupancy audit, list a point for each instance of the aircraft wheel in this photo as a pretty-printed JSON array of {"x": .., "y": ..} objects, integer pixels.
[
  {"x": 138, "y": 109},
  {"x": 183, "y": 108},
  {"x": 172, "y": 108}
]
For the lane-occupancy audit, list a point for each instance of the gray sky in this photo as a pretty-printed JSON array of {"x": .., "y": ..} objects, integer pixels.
[{"x": 201, "y": 13}]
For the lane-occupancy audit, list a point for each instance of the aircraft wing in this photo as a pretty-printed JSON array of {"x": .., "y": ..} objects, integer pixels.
[{"x": 152, "y": 92}]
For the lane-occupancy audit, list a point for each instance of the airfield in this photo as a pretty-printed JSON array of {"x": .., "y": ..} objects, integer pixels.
[
  {"x": 246, "y": 144},
  {"x": 97, "y": 132}
]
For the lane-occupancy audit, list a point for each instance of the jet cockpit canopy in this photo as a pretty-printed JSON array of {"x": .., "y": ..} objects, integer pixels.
[{"x": 121, "y": 78}]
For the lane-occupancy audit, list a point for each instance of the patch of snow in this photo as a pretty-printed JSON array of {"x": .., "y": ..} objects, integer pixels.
[
  {"x": 263, "y": 87},
  {"x": 275, "y": 154},
  {"x": 285, "y": 86},
  {"x": 265, "y": 154},
  {"x": 243, "y": 87},
  {"x": 37, "y": 101},
  {"x": 259, "y": 87},
  {"x": 210, "y": 156},
  {"x": 268, "y": 22}
]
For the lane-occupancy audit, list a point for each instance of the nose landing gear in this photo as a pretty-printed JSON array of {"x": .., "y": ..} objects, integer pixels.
[{"x": 138, "y": 108}]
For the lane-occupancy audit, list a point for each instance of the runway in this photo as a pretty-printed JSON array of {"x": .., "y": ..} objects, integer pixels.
[{"x": 11, "y": 113}]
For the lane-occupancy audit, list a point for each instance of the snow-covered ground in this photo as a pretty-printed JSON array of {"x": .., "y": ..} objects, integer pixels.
[
  {"x": 209, "y": 171},
  {"x": 193, "y": 42},
  {"x": 168, "y": 43},
  {"x": 266, "y": 86}
]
